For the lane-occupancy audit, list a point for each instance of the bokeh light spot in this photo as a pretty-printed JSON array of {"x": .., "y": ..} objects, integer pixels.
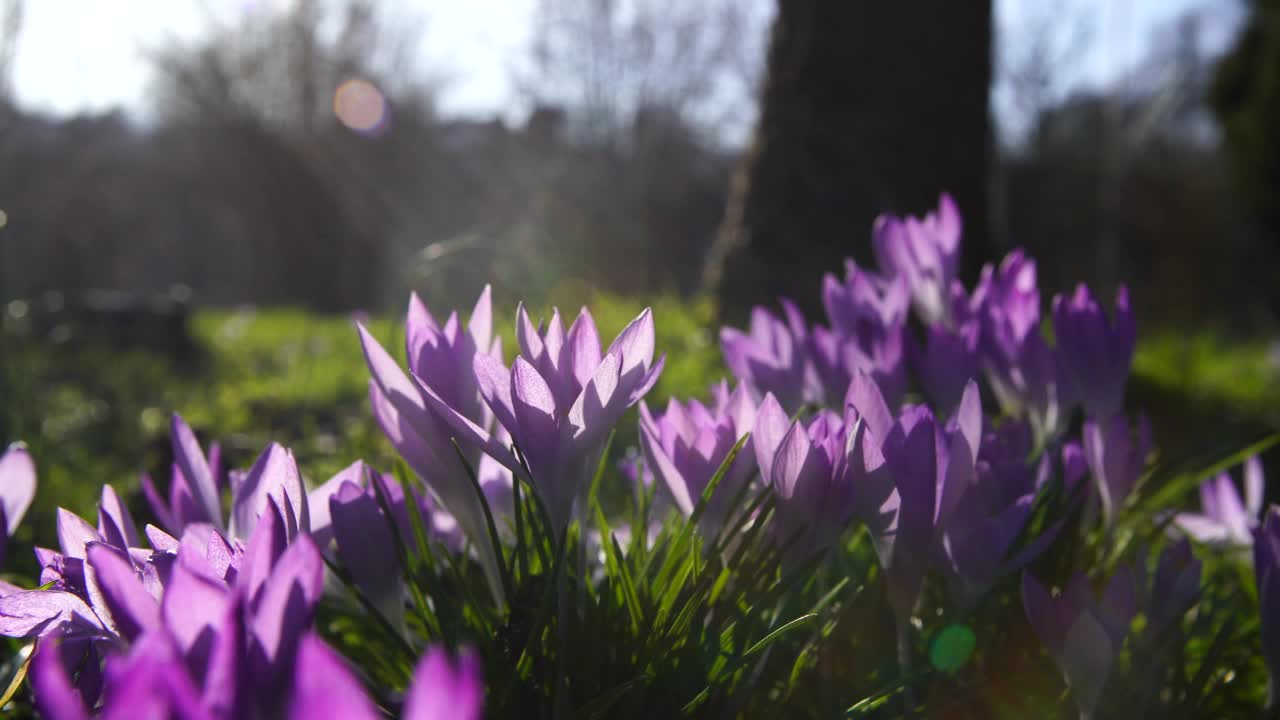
[
  {"x": 952, "y": 647},
  {"x": 361, "y": 106}
]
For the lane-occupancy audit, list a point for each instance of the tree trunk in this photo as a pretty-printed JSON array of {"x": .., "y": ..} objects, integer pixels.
[{"x": 868, "y": 107}]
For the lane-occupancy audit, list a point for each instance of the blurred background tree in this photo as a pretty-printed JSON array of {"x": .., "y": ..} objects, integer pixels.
[
  {"x": 866, "y": 108},
  {"x": 1245, "y": 96}
]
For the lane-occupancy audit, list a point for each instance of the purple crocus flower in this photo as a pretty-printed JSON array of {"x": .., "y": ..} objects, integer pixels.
[
  {"x": 193, "y": 489},
  {"x": 1173, "y": 589},
  {"x": 1027, "y": 376},
  {"x": 195, "y": 493},
  {"x": 559, "y": 400},
  {"x": 441, "y": 362},
  {"x": 1117, "y": 458},
  {"x": 770, "y": 356},
  {"x": 945, "y": 363},
  {"x": 931, "y": 467},
  {"x": 1266, "y": 573},
  {"x": 865, "y": 303},
  {"x": 1096, "y": 352},
  {"x": 993, "y": 512},
  {"x": 444, "y": 689},
  {"x": 685, "y": 446},
  {"x": 925, "y": 252},
  {"x": 17, "y": 489},
  {"x": 834, "y": 358},
  {"x": 1083, "y": 632},
  {"x": 366, "y": 544},
  {"x": 823, "y": 474},
  {"x": 1224, "y": 518},
  {"x": 324, "y": 687}
]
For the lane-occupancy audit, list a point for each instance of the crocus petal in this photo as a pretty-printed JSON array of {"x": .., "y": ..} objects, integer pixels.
[
  {"x": 161, "y": 540},
  {"x": 582, "y": 348},
  {"x": 480, "y": 324},
  {"x": 772, "y": 424},
  {"x": 112, "y": 507},
  {"x": 225, "y": 679},
  {"x": 323, "y": 686},
  {"x": 131, "y": 608},
  {"x": 193, "y": 607},
  {"x": 17, "y": 485},
  {"x": 1254, "y": 487},
  {"x": 660, "y": 464},
  {"x": 274, "y": 474},
  {"x": 287, "y": 605},
  {"x": 74, "y": 533},
  {"x": 600, "y": 405},
  {"x": 404, "y": 437},
  {"x": 527, "y": 335},
  {"x": 790, "y": 460},
  {"x": 195, "y": 468},
  {"x": 265, "y": 547},
  {"x": 442, "y": 690},
  {"x": 864, "y": 396},
  {"x": 158, "y": 506},
  {"x": 494, "y": 381},
  {"x": 56, "y": 698},
  {"x": 318, "y": 501},
  {"x": 635, "y": 345},
  {"x": 150, "y": 682},
  {"x": 38, "y": 613},
  {"x": 367, "y": 547},
  {"x": 467, "y": 430}
]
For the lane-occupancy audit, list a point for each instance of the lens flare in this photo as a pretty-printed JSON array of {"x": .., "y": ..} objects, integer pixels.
[{"x": 362, "y": 107}]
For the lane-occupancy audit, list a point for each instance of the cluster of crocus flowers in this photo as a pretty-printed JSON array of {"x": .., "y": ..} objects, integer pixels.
[
  {"x": 215, "y": 620},
  {"x": 866, "y": 421}
]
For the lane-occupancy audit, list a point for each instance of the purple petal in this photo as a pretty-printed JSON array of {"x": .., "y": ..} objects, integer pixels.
[
  {"x": 161, "y": 540},
  {"x": 600, "y": 405},
  {"x": 37, "y": 613},
  {"x": 367, "y": 547},
  {"x": 111, "y": 507},
  {"x": 193, "y": 607},
  {"x": 494, "y": 381},
  {"x": 288, "y": 603},
  {"x": 56, "y": 698},
  {"x": 74, "y": 533},
  {"x": 1254, "y": 487},
  {"x": 535, "y": 417},
  {"x": 318, "y": 501},
  {"x": 442, "y": 690},
  {"x": 195, "y": 468},
  {"x": 468, "y": 432},
  {"x": 790, "y": 461},
  {"x": 131, "y": 608},
  {"x": 265, "y": 547},
  {"x": 527, "y": 335},
  {"x": 225, "y": 679},
  {"x": 480, "y": 323},
  {"x": 660, "y": 464},
  {"x": 634, "y": 345},
  {"x": 323, "y": 686},
  {"x": 17, "y": 485},
  {"x": 404, "y": 437},
  {"x": 274, "y": 475},
  {"x": 772, "y": 424},
  {"x": 150, "y": 682},
  {"x": 582, "y": 348},
  {"x": 158, "y": 506},
  {"x": 865, "y": 397}
]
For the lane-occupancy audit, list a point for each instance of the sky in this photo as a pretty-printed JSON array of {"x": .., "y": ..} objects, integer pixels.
[{"x": 90, "y": 55}]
